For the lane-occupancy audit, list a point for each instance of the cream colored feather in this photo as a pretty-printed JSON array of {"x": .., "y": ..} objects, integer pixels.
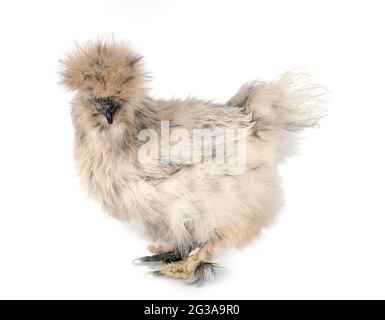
[{"x": 178, "y": 204}]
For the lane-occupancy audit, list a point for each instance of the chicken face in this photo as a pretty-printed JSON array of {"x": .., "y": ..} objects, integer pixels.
[
  {"x": 106, "y": 106},
  {"x": 108, "y": 78}
]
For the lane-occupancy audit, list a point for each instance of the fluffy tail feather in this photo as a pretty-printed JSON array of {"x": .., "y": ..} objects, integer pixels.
[{"x": 283, "y": 107}]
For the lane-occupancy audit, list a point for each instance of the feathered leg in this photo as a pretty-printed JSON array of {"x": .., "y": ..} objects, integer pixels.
[
  {"x": 160, "y": 255},
  {"x": 196, "y": 268}
]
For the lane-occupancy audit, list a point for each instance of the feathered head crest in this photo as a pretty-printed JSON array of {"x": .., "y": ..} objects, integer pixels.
[{"x": 104, "y": 69}]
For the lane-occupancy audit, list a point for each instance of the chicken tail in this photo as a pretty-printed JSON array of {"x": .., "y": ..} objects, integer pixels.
[{"x": 282, "y": 108}]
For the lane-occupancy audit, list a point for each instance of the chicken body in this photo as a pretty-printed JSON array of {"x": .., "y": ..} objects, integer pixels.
[{"x": 178, "y": 204}]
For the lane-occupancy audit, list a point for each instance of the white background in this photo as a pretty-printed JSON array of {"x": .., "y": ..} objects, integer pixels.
[{"x": 329, "y": 240}]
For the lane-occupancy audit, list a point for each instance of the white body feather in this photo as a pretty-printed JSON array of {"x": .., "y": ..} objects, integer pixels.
[{"x": 180, "y": 204}]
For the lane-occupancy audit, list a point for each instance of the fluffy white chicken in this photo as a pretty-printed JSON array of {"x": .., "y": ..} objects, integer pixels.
[{"x": 190, "y": 175}]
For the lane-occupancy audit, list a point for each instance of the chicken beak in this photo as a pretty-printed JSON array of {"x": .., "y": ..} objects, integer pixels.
[{"x": 109, "y": 113}]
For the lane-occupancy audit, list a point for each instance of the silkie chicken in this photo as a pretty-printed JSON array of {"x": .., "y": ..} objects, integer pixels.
[{"x": 187, "y": 205}]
